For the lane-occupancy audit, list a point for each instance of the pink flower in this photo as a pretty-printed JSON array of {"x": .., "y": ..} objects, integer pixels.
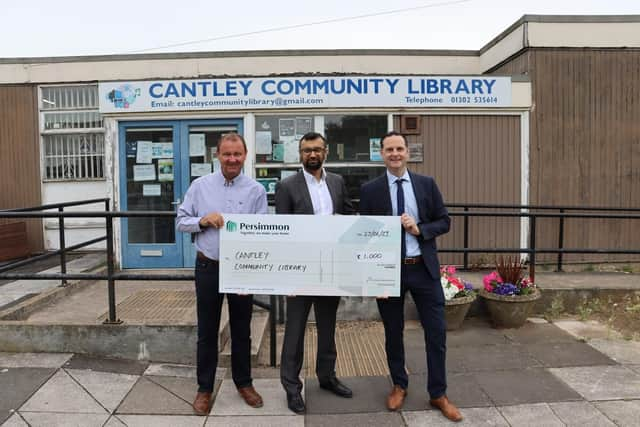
[
  {"x": 491, "y": 279},
  {"x": 451, "y": 270},
  {"x": 488, "y": 287}
]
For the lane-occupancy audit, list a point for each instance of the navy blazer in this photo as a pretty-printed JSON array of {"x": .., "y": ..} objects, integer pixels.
[
  {"x": 433, "y": 218},
  {"x": 292, "y": 195}
]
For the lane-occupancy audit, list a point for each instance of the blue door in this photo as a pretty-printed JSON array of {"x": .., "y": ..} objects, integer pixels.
[{"x": 158, "y": 161}]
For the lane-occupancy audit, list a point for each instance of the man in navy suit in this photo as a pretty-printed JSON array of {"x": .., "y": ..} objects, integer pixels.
[
  {"x": 418, "y": 202},
  {"x": 312, "y": 191}
]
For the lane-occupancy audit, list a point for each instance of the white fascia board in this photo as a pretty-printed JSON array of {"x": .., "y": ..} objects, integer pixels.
[
  {"x": 504, "y": 48},
  {"x": 521, "y": 95},
  {"x": 584, "y": 34},
  {"x": 62, "y": 72}
]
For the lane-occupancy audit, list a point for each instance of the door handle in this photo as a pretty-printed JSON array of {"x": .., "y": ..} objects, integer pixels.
[{"x": 177, "y": 202}]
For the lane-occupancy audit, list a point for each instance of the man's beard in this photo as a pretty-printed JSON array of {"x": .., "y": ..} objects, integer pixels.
[{"x": 313, "y": 165}]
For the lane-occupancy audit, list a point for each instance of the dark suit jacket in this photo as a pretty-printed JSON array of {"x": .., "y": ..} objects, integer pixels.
[
  {"x": 433, "y": 218},
  {"x": 292, "y": 195}
]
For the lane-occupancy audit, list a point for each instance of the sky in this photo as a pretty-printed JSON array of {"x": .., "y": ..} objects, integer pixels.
[{"x": 37, "y": 28}]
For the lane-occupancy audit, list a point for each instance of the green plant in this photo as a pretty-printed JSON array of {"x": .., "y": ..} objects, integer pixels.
[
  {"x": 627, "y": 269},
  {"x": 556, "y": 308}
]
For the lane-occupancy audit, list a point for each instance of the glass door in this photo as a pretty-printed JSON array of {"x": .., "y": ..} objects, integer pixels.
[
  {"x": 198, "y": 151},
  {"x": 150, "y": 181}
]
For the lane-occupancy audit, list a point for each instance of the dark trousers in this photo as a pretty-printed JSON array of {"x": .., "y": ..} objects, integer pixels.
[
  {"x": 429, "y": 299},
  {"x": 298, "y": 308},
  {"x": 209, "y": 305}
]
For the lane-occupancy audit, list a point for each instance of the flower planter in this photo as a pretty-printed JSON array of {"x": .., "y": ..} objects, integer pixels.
[
  {"x": 509, "y": 311},
  {"x": 456, "y": 309}
]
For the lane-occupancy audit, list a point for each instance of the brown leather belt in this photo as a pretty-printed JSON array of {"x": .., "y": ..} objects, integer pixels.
[
  {"x": 203, "y": 257},
  {"x": 411, "y": 260}
]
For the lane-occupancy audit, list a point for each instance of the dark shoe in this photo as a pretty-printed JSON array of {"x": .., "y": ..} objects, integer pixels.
[
  {"x": 251, "y": 396},
  {"x": 202, "y": 403},
  {"x": 396, "y": 398},
  {"x": 336, "y": 387},
  {"x": 295, "y": 403},
  {"x": 447, "y": 408}
]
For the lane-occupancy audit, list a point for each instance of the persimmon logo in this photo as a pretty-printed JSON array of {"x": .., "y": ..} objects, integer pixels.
[{"x": 232, "y": 226}]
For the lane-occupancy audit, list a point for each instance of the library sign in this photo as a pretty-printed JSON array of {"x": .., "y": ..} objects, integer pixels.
[{"x": 305, "y": 92}]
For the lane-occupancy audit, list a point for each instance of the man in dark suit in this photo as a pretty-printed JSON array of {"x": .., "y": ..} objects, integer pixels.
[
  {"x": 312, "y": 191},
  {"x": 418, "y": 202}
]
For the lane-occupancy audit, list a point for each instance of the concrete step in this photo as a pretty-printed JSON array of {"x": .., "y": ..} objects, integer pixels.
[{"x": 259, "y": 329}]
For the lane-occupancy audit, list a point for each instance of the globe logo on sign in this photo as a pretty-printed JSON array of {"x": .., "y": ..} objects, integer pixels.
[
  {"x": 231, "y": 226},
  {"x": 123, "y": 96}
]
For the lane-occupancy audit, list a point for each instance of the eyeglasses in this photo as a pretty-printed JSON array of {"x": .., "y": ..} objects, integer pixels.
[{"x": 316, "y": 150}]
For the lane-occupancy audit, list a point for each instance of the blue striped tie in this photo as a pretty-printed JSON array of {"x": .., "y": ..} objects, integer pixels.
[{"x": 400, "y": 200}]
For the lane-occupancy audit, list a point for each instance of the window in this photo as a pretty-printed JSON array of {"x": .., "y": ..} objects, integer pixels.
[
  {"x": 353, "y": 141},
  {"x": 73, "y": 133}
]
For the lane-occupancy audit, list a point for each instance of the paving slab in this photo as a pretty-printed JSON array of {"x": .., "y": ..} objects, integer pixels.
[
  {"x": 53, "y": 419},
  {"x": 380, "y": 419},
  {"x": 533, "y": 333},
  {"x": 476, "y": 331},
  {"x": 101, "y": 364},
  {"x": 463, "y": 390},
  {"x": 586, "y": 330},
  {"x": 107, "y": 388},
  {"x": 560, "y": 355},
  {"x": 369, "y": 395},
  {"x": 33, "y": 360},
  {"x": 228, "y": 401},
  {"x": 531, "y": 415},
  {"x": 184, "y": 388},
  {"x": 533, "y": 385},
  {"x": 62, "y": 394},
  {"x": 583, "y": 414},
  {"x": 634, "y": 368},
  {"x": 17, "y": 385},
  {"x": 147, "y": 397},
  {"x": 114, "y": 421},
  {"x": 623, "y": 413},
  {"x": 498, "y": 357},
  {"x": 473, "y": 417},
  {"x": 162, "y": 421},
  {"x": 257, "y": 421},
  {"x": 601, "y": 382},
  {"x": 268, "y": 372},
  {"x": 15, "y": 421},
  {"x": 625, "y": 352},
  {"x": 174, "y": 370}
]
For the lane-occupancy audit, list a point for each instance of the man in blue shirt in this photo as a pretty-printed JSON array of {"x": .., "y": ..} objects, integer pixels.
[{"x": 207, "y": 200}]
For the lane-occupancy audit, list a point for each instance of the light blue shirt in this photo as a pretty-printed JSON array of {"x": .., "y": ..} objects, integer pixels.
[
  {"x": 410, "y": 207},
  {"x": 212, "y": 193}
]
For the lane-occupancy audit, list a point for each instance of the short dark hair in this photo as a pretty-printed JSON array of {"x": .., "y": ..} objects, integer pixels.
[
  {"x": 231, "y": 136},
  {"x": 393, "y": 133},
  {"x": 310, "y": 136}
]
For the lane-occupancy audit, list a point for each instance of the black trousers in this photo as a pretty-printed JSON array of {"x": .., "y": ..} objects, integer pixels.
[
  {"x": 429, "y": 299},
  {"x": 209, "y": 306},
  {"x": 298, "y": 308}
]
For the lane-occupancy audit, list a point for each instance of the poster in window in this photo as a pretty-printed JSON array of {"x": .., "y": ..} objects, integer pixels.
[
  {"x": 287, "y": 128},
  {"x": 263, "y": 142},
  {"x": 151, "y": 190},
  {"x": 196, "y": 145},
  {"x": 269, "y": 184},
  {"x": 303, "y": 125},
  {"x": 144, "y": 152},
  {"x": 291, "y": 154},
  {"x": 284, "y": 174},
  {"x": 162, "y": 150},
  {"x": 278, "y": 153},
  {"x": 132, "y": 147},
  {"x": 374, "y": 150},
  {"x": 144, "y": 172},
  {"x": 165, "y": 169},
  {"x": 200, "y": 169},
  {"x": 416, "y": 151}
]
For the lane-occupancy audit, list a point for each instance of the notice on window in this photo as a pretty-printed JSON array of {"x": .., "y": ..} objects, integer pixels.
[
  {"x": 278, "y": 153},
  {"x": 165, "y": 170},
  {"x": 374, "y": 150},
  {"x": 196, "y": 144},
  {"x": 162, "y": 150},
  {"x": 287, "y": 128},
  {"x": 285, "y": 174},
  {"x": 151, "y": 190},
  {"x": 144, "y": 152},
  {"x": 216, "y": 165},
  {"x": 200, "y": 169},
  {"x": 263, "y": 142},
  {"x": 144, "y": 172},
  {"x": 416, "y": 151},
  {"x": 291, "y": 154},
  {"x": 303, "y": 125}
]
